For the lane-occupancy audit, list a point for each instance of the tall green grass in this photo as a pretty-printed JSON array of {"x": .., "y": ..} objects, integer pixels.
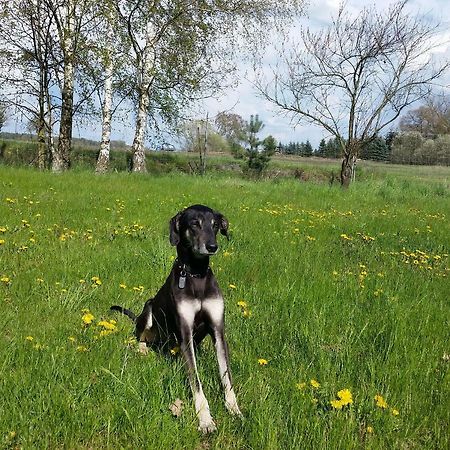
[{"x": 345, "y": 289}]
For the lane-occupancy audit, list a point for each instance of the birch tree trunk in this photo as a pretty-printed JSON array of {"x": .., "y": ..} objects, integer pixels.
[
  {"x": 103, "y": 157},
  {"x": 61, "y": 159},
  {"x": 145, "y": 78}
]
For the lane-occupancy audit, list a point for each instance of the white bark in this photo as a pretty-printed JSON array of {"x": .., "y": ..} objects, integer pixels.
[
  {"x": 62, "y": 155},
  {"x": 103, "y": 157},
  {"x": 145, "y": 79}
]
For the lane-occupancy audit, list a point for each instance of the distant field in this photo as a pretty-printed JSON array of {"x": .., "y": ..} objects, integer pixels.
[
  {"x": 24, "y": 153},
  {"x": 346, "y": 297}
]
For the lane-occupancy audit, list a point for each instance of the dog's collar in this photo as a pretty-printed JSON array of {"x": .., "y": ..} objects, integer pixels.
[{"x": 184, "y": 272}]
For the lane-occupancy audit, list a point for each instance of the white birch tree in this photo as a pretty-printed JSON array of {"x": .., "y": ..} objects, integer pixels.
[
  {"x": 185, "y": 49},
  {"x": 28, "y": 67}
]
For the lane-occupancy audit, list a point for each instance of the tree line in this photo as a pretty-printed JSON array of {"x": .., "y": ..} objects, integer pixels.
[{"x": 83, "y": 61}]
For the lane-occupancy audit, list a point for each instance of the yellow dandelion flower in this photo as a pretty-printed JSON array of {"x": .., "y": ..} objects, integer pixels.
[
  {"x": 29, "y": 338},
  {"x": 246, "y": 313},
  {"x": 2, "y": 241},
  {"x": 242, "y": 304},
  {"x": 263, "y": 362},
  {"x": 87, "y": 317},
  {"x": 301, "y": 385},
  {"x": 71, "y": 339},
  {"x": 4, "y": 279},
  {"x": 315, "y": 384},
  {"x": 337, "y": 404},
  {"x": 232, "y": 286},
  {"x": 82, "y": 348},
  {"x": 107, "y": 325},
  {"x": 380, "y": 401},
  {"x": 395, "y": 412},
  {"x": 122, "y": 285},
  {"x": 82, "y": 281},
  {"x": 369, "y": 429},
  {"x": 345, "y": 396}
]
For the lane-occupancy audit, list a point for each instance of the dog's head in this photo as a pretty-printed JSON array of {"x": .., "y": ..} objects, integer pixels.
[{"x": 196, "y": 228}]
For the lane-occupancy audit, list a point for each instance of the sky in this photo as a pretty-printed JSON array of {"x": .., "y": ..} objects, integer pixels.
[{"x": 243, "y": 98}]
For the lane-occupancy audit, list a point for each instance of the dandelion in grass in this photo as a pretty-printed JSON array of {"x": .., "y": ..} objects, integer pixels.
[
  {"x": 107, "y": 325},
  {"x": 242, "y": 304},
  {"x": 96, "y": 281},
  {"x": 345, "y": 397},
  {"x": 315, "y": 384},
  {"x": 337, "y": 404},
  {"x": 369, "y": 429},
  {"x": 175, "y": 350},
  {"x": 263, "y": 362},
  {"x": 5, "y": 280},
  {"x": 380, "y": 401},
  {"x": 395, "y": 412},
  {"x": 29, "y": 338},
  {"x": 232, "y": 286},
  {"x": 122, "y": 286},
  {"x": 301, "y": 385},
  {"x": 87, "y": 317},
  {"x": 82, "y": 348},
  {"x": 71, "y": 339},
  {"x": 2, "y": 241}
]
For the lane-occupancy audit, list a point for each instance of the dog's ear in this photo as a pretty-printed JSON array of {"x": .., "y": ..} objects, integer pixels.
[
  {"x": 223, "y": 224},
  {"x": 174, "y": 229}
]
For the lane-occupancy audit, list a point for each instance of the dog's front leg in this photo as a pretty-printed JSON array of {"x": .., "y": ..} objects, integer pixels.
[
  {"x": 206, "y": 422},
  {"x": 224, "y": 370},
  {"x": 215, "y": 310}
]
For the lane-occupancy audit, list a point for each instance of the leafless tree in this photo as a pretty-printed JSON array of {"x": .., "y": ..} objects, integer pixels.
[{"x": 356, "y": 76}]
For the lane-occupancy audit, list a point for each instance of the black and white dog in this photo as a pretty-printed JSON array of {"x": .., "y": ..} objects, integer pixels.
[{"x": 190, "y": 304}]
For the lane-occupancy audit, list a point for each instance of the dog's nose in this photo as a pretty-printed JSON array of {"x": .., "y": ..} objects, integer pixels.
[{"x": 212, "y": 248}]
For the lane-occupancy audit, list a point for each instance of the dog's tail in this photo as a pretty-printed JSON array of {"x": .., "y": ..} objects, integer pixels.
[{"x": 125, "y": 311}]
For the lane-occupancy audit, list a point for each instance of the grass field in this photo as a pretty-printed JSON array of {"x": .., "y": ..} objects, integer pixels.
[{"x": 345, "y": 293}]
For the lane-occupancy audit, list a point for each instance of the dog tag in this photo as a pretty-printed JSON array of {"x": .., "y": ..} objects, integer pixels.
[{"x": 182, "y": 281}]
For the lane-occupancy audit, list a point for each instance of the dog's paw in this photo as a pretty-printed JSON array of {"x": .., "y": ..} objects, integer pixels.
[
  {"x": 143, "y": 349},
  {"x": 207, "y": 425},
  {"x": 233, "y": 409}
]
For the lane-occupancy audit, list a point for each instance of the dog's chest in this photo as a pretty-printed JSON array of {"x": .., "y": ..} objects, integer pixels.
[{"x": 194, "y": 310}]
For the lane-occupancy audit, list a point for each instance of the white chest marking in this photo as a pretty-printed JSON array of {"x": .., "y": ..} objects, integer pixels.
[
  {"x": 188, "y": 309},
  {"x": 214, "y": 308}
]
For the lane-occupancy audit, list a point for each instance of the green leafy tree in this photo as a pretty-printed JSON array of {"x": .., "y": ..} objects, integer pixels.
[
  {"x": 376, "y": 150},
  {"x": 259, "y": 151},
  {"x": 322, "y": 149},
  {"x": 307, "y": 149}
]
